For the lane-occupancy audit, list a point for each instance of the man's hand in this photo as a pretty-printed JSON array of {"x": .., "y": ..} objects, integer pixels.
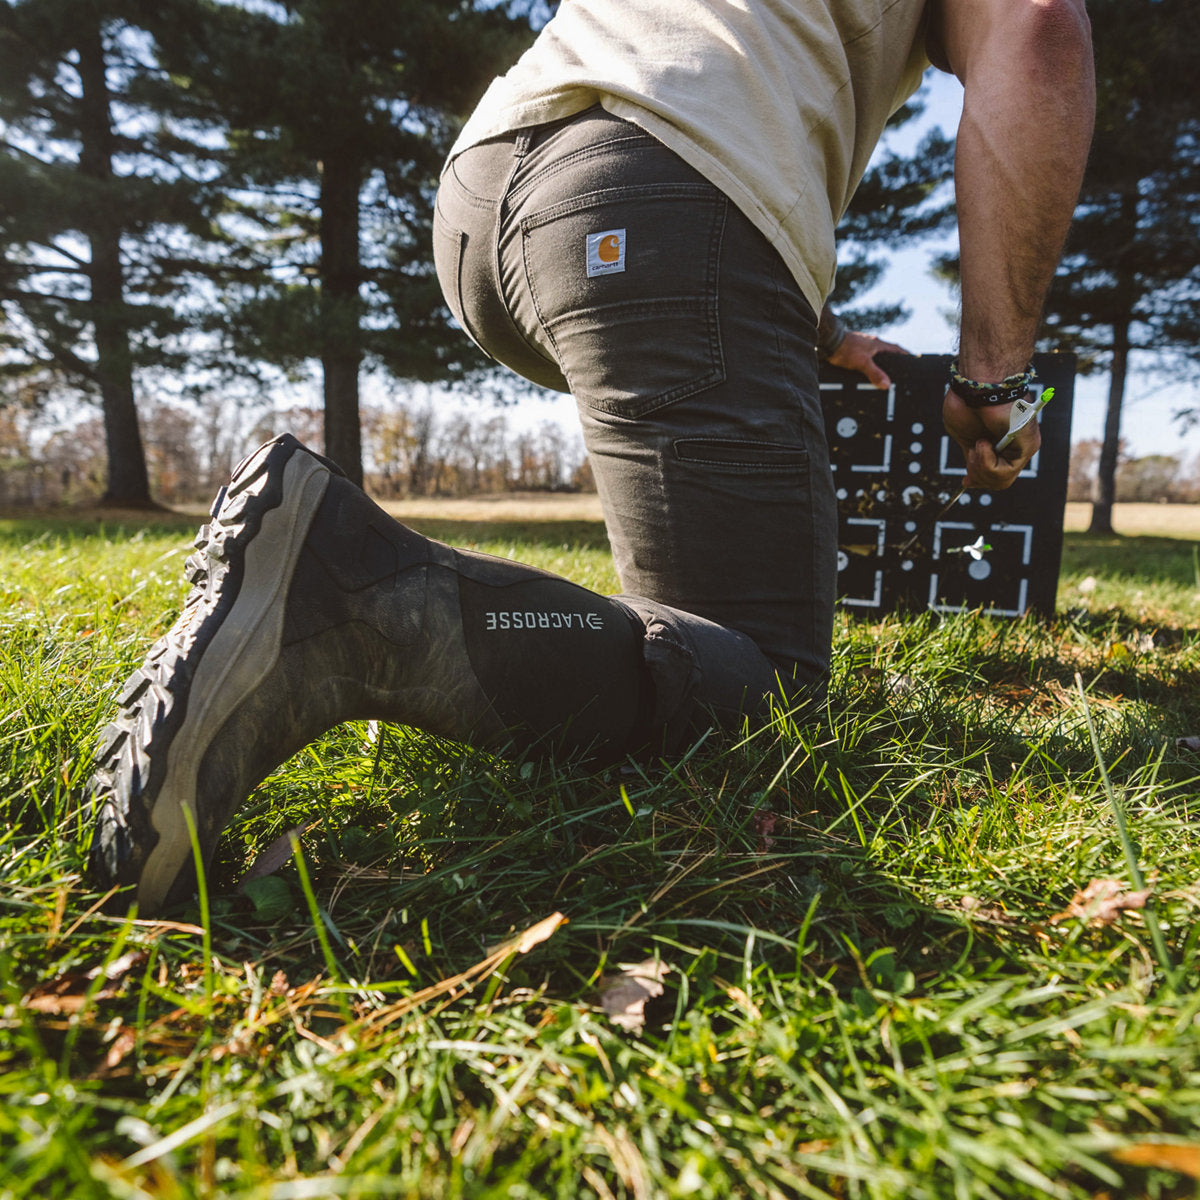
[
  {"x": 857, "y": 353},
  {"x": 977, "y": 430}
]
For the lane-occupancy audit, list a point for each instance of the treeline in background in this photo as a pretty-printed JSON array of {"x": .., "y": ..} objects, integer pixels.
[{"x": 418, "y": 448}]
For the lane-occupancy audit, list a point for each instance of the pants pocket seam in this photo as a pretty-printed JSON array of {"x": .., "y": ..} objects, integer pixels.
[
  {"x": 738, "y": 454},
  {"x": 598, "y": 150},
  {"x": 637, "y": 191},
  {"x": 453, "y": 276}
]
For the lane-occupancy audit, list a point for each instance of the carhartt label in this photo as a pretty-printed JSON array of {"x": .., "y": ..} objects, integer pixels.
[
  {"x": 605, "y": 252},
  {"x": 542, "y": 620}
]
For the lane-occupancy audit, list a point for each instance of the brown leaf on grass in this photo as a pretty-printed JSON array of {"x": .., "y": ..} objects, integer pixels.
[
  {"x": 976, "y": 910},
  {"x": 623, "y": 996},
  {"x": 68, "y": 993},
  {"x": 1101, "y": 903},
  {"x": 522, "y": 943},
  {"x": 173, "y": 1034},
  {"x": 764, "y": 826},
  {"x": 1167, "y": 1156},
  {"x": 121, "y": 1045}
]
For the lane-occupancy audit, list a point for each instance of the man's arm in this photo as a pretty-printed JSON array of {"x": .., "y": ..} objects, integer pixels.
[{"x": 1028, "y": 109}]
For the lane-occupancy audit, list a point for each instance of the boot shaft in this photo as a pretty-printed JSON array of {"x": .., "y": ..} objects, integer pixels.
[{"x": 467, "y": 645}]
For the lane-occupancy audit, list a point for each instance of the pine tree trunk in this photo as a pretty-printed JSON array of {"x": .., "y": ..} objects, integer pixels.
[
  {"x": 1106, "y": 471},
  {"x": 128, "y": 482},
  {"x": 341, "y": 312}
]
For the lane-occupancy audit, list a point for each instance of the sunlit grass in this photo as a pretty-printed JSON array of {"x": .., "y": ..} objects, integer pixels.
[{"x": 876, "y": 987}]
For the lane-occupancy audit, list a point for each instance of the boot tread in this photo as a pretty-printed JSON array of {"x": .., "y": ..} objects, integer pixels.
[{"x": 131, "y": 757}]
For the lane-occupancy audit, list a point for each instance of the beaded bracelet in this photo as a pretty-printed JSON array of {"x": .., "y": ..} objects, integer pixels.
[{"x": 984, "y": 395}]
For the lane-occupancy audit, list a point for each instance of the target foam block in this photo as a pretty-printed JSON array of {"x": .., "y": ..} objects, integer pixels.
[{"x": 895, "y": 470}]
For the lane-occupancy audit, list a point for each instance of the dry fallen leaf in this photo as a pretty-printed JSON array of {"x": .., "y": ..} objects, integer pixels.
[
  {"x": 764, "y": 826},
  {"x": 1101, "y": 903},
  {"x": 525, "y": 941},
  {"x": 1169, "y": 1156},
  {"x": 68, "y": 993},
  {"x": 623, "y": 996}
]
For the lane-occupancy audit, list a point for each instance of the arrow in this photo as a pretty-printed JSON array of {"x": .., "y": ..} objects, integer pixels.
[
  {"x": 976, "y": 550},
  {"x": 1023, "y": 411}
]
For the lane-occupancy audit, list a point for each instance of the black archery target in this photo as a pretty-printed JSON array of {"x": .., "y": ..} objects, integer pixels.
[{"x": 895, "y": 470}]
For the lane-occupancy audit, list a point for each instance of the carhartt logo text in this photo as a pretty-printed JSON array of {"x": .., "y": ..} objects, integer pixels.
[{"x": 605, "y": 252}]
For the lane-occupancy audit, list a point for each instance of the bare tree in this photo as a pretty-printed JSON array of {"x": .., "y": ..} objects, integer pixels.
[{"x": 1081, "y": 473}]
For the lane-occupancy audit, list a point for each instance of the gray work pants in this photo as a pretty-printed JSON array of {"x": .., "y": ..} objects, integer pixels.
[{"x": 589, "y": 258}]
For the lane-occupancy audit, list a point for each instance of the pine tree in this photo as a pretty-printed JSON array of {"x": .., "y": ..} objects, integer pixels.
[
  {"x": 1129, "y": 283},
  {"x": 337, "y": 115},
  {"x": 896, "y": 204},
  {"x": 93, "y": 212}
]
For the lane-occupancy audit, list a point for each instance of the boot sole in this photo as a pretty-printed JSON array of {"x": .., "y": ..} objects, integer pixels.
[{"x": 216, "y": 655}]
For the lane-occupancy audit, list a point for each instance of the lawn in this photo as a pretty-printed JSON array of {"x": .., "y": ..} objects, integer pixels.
[{"x": 941, "y": 943}]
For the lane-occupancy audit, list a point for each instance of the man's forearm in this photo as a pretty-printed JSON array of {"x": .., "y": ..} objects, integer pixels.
[{"x": 1028, "y": 110}]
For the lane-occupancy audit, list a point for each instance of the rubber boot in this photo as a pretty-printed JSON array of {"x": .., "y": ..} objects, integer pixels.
[{"x": 311, "y": 606}]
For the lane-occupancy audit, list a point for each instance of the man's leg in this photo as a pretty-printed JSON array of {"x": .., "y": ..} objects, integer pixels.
[
  {"x": 691, "y": 356},
  {"x": 311, "y": 606}
]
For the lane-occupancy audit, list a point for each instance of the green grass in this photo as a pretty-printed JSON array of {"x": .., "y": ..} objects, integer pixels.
[{"x": 872, "y": 988}]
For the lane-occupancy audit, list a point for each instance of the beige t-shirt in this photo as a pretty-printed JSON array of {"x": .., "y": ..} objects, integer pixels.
[{"x": 779, "y": 103}]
